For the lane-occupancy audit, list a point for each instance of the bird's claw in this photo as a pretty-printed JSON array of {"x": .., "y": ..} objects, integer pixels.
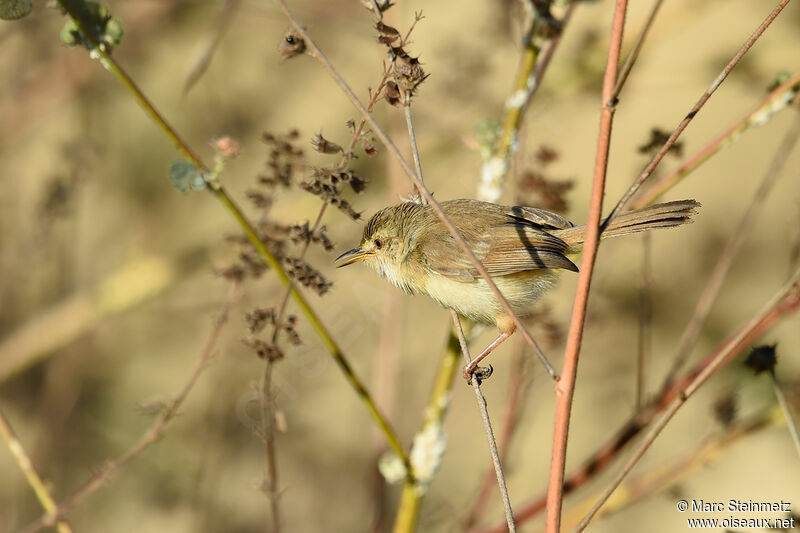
[{"x": 480, "y": 372}]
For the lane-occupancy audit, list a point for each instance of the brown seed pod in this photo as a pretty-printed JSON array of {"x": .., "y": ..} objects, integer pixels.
[
  {"x": 292, "y": 45},
  {"x": 391, "y": 93},
  {"x": 407, "y": 71},
  {"x": 323, "y": 145},
  {"x": 387, "y": 34}
]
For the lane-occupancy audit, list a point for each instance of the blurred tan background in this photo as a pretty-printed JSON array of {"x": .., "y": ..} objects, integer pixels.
[{"x": 85, "y": 200}]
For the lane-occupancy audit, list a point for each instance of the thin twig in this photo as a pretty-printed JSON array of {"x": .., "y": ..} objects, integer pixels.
[
  {"x": 412, "y": 137},
  {"x": 487, "y": 427},
  {"x": 152, "y": 435},
  {"x": 76, "y": 11},
  {"x": 633, "y": 55},
  {"x": 693, "y": 113},
  {"x": 732, "y": 246},
  {"x": 31, "y": 475},
  {"x": 565, "y": 388},
  {"x": 316, "y": 52},
  {"x": 787, "y": 412},
  {"x": 785, "y": 301},
  {"x": 518, "y": 386},
  {"x": 774, "y": 102},
  {"x": 272, "y": 482}
]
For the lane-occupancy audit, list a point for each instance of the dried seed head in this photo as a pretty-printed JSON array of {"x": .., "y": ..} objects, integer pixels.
[
  {"x": 258, "y": 318},
  {"x": 391, "y": 93},
  {"x": 545, "y": 155},
  {"x": 307, "y": 275},
  {"x": 292, "y": 45},
  {"x": 324, "y": 146},
  {"x": 265, "y": 350},
  {"x": 406, "y": 71},
  {"x": 541, "y": 191},
  {"x": 386, "y": 34},
  {"x": 725, "y": 408},
  {"x": 762, "y": 358},
  {"x": 368, "y": 146}
]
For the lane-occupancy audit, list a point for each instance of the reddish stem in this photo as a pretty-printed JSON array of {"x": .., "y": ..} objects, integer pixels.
[{"x": 566, "y": 386}]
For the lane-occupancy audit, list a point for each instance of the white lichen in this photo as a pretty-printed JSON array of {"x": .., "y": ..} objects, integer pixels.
[
  {"x": 391, "y": 467},
  {"x": 517, "y": 99},
  {"x": 493, "y": 171},
  {"x": 426, "y": 454}
]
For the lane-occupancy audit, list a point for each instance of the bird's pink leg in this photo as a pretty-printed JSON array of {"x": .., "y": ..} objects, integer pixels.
[{"x": 470, "y": 368}]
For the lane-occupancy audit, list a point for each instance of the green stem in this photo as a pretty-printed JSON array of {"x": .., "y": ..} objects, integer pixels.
[
  {"x": 31, "y": 475},
  {"x": 76, "y": 10},
  {"x": 411, "y": 497}
]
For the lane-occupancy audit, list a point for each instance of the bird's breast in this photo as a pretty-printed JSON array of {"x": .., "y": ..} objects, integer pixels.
[{"x": 476, "y": 300}]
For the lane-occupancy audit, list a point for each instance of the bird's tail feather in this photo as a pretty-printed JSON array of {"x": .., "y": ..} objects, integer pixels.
[{"x": 666, "y": 215}]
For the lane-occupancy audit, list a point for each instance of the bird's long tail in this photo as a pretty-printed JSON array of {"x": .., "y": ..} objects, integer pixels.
[{"x": 666, "y": 215}]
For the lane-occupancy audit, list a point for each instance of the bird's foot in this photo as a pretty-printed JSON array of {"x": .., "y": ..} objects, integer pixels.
[{"x": 480, "y": 372}]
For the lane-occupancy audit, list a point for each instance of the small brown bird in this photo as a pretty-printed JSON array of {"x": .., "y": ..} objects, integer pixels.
[{"x": 522, "y": 248}]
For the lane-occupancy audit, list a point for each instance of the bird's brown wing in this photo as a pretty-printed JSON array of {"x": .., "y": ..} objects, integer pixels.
[
  {"x": 512, "y": 246},
  {"x": 538, "y": 217}
]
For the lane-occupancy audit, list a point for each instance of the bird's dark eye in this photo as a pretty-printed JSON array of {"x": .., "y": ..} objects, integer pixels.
[
  {"x": 290, "y": 39},
  {"x": 378, "y": 243}
]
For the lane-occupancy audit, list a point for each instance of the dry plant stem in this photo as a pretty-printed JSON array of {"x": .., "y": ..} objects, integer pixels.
[
  {"x": 762, "y": 112},
  {"x": 315, "y": 52},
  {"x": 272, "y": 486},
  {"x": 732, "y": 247},
  {"x": 516, "y": 390},
  {"x": 565, "y": 388},
  {"x": 693, "y": 113},
  {"x": 784, "y": 302},
  {"x": 633, "y": 55},
  {"x": 787, "y": 413},
  {"x": 414, "y": 150},
  {"x": 435, "y": 412},
  {"x": 77, "y": 14},
  {"x": 152, "y": 435},
  {"x": 31, "y": 475},
  {"x": 487, "y": 427}
]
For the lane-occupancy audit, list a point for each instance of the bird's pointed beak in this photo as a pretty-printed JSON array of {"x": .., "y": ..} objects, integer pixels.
[{"x": 351, "y": 256}]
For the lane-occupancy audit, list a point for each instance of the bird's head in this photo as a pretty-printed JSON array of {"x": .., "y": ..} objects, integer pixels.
[{"x": 382, "y": 245}]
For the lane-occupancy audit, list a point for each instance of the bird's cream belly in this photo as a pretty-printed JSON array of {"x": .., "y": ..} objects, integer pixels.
[{"x": 476, "y": 300}]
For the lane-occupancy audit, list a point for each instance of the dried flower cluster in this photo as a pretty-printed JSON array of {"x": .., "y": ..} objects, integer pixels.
[
  {"x": 285, "y": 160},
  {"x": 762, "y": 359},
  {"x": 326, "y": 183},
  {"x": 537, "y": 189},
  {"x": 257, "y": 320},
  {"x": 292, "y": 45},
  {"x": 307, "y": 275},
  {"x": 407, "y": 72},
  {"x": 726, "y": 409},
  {"x": 300, "y": 234}
]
